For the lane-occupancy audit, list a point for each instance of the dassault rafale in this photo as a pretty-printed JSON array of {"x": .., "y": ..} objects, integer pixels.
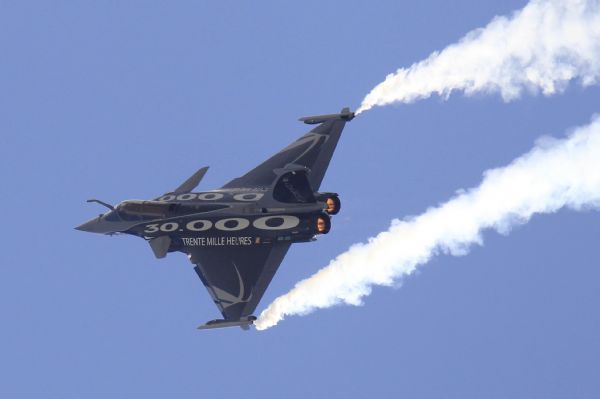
[{"x": 237, "y": 236}]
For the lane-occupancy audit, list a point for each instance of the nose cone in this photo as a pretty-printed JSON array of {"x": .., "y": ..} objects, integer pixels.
[
  {"x": 105, "y": 224},
  {"x": 98, "y": 225},
  {"x": 91, "y": 226}
]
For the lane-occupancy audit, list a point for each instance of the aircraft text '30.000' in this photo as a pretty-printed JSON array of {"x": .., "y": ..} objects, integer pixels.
[{"x": 279, "y": 222}]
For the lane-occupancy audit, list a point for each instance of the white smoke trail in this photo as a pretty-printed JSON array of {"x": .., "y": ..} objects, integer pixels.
[
  {"x": 554, "y": 174},
  {"x": 539, "y": 48}
]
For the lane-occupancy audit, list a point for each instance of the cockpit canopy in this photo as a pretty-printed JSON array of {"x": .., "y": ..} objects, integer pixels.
[{"x": 146, "y": 208}]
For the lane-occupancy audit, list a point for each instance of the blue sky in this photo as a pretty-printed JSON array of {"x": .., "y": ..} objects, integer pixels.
[{"x": 120, "y": 100}]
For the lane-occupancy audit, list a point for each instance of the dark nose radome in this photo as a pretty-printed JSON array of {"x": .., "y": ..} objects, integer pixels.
[{"x": 90, "y": 226}]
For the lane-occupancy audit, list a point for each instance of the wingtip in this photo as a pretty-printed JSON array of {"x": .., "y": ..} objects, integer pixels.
[
  {"x": 345, "y": 115},
  {"x": 244, "y": 323}
]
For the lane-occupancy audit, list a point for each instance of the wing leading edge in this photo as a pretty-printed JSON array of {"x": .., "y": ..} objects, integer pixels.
[{"x": 312, "y": 151}]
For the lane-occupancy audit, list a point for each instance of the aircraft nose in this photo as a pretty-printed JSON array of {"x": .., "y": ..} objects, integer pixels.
[{"x": 90, "y": 226}]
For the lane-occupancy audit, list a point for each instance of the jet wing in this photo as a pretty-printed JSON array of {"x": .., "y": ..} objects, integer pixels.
[
  {"x": 312, "y": 151},
  {"x": 236, "y": 278}
]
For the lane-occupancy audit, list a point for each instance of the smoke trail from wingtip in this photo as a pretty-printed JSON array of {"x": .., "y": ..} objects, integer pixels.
[
  {"x": 539, "y": 48},
  {"x": 554, "y": 174}
]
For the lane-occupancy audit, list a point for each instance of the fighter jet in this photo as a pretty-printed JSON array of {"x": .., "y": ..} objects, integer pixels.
[{"x": 237, "y": 236}]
